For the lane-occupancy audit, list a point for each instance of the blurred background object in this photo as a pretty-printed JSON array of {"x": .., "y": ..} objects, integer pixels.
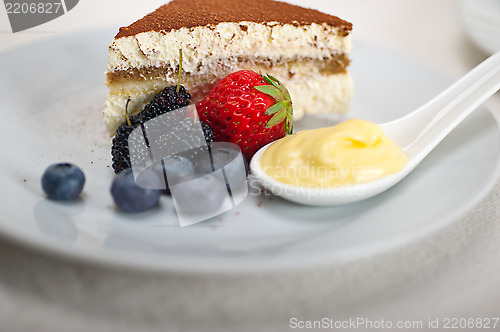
[{"x": 481, "y": 23}]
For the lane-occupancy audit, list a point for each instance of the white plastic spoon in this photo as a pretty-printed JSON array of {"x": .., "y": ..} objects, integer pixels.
[{"x": 417, "y": 133}]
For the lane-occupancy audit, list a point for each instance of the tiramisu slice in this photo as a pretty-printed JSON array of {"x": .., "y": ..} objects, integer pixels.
[{"x": 305, "y": 49}]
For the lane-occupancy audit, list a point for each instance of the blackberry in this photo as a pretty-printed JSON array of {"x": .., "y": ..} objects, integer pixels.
[
  {"x": 119, "y": 150},
  {"x": 180, "y": 136},
  {"x": 172, "y": 137},
  {"x": 165, "y": 101}
]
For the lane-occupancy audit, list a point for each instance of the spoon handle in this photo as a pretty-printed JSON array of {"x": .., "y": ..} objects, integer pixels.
[{"x": 420, "y": 131}]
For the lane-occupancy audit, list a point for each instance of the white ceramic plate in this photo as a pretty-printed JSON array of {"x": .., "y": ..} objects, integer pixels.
[
  {"x": 481, "y": 22},
  {"x": 51, "y": 97}
]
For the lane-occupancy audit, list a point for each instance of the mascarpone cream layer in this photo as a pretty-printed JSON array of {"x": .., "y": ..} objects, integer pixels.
[
  {"x": 201, "y": 44},
  {"x": 316, "y": 94}
]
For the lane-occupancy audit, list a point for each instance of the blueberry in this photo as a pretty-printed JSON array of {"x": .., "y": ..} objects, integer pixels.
[
  {"x": 227, "y": 156},
  {"x": 129, "y": 197},
  {"x": 177, "y": 168},
  {"x": 202, "y": 195},
  {"x": 63, "y": 181}
]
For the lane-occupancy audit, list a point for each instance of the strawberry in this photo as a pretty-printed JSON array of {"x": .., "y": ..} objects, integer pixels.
[{"x": 248, "y": 109}]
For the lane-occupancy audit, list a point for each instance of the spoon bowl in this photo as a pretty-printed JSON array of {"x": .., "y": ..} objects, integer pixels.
[{"x": 417, "y": 133}]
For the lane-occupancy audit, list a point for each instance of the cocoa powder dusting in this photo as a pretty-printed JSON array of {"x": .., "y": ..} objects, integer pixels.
[{"x": 192, "y": 13}]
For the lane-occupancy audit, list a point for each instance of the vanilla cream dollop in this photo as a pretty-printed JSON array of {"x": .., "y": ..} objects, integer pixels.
[{"x": 355, "y": 151}]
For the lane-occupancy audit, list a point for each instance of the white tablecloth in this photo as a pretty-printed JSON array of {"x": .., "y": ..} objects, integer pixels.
[{"x": 452, "y": 273}]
